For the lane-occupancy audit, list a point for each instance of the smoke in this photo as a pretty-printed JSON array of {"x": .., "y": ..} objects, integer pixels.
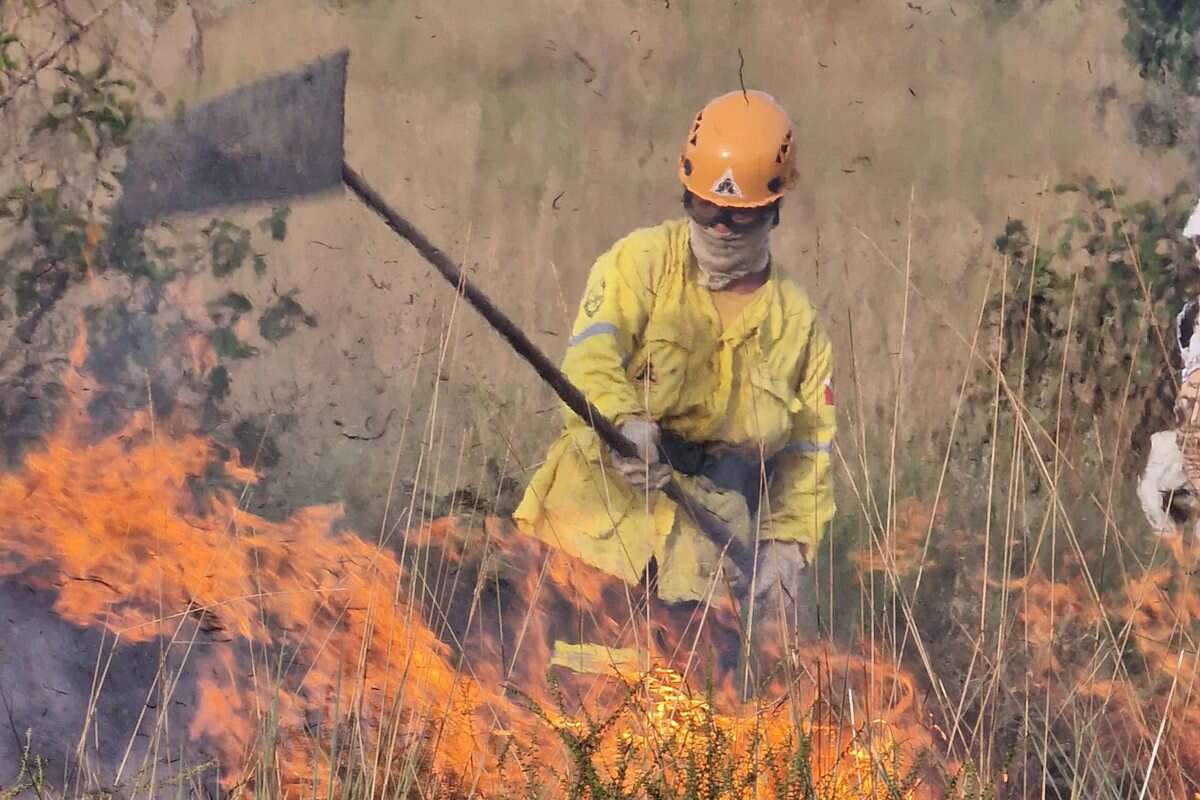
[{"x": 101, "y": 712}]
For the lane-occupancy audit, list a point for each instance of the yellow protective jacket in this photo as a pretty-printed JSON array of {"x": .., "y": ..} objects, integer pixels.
[{"x": 648, "y": 341}]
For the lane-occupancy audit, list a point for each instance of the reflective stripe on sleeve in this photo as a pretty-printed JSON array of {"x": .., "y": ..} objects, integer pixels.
[{"x": 590, "y": 331}]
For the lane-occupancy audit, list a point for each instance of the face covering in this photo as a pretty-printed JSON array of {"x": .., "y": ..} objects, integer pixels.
[{"x": 724, "y": 259}]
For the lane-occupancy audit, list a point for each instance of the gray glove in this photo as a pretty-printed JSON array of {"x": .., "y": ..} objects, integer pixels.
[
  {"x": 780, "y": 565},
  {"x": 783, "y": 608},
  {"x": 646, "y": 472}
]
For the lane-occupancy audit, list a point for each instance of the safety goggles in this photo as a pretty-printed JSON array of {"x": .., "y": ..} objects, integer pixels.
[{"x": 736, "y": 219}]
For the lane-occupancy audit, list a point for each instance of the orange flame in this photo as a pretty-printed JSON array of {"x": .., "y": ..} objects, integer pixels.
[
  {"x": 1144, "y": 696},
  {"x": 392, "y": 643}
]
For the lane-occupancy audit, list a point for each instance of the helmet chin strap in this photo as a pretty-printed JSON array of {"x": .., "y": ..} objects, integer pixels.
[{"x": 725, "y": 259}]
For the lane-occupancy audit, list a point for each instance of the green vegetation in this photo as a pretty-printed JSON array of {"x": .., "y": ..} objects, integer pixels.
[
  {"x": 1085, "y": 317},
  {"x": 1161, "y": 40},
  {"x": 62, "y": 170}
]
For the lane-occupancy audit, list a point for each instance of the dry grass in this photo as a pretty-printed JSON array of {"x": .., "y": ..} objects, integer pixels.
[
  {"x": 1051, "y": 638},
  {"x": 1004, "y": 613}
]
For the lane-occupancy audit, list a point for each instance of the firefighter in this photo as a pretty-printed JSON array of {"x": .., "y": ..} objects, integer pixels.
[{"x": 693, "y": 342}]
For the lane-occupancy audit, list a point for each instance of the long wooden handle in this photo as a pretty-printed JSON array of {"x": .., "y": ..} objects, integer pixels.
[{"x": 562, "y": 386}]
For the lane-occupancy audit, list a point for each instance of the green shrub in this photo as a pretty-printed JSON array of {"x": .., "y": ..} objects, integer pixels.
[
  {"x": 1085, "y": 322},
  {"x": 1161, "y": 40}
]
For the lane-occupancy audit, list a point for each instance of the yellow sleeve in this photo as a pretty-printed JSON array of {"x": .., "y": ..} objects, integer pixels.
[
  {"x": 608, "y": 326},
  {"x": 801, "y": 500}
]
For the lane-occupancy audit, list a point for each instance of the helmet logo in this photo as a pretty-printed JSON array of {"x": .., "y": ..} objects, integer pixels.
[{"x": 727, "y": 186}]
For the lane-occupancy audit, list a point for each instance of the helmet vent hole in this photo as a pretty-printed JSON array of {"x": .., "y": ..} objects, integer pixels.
[
  {"x": 773, "y": 185},
  {"x": 692, "y": 141},
  {"x": 687, "y": 166}
]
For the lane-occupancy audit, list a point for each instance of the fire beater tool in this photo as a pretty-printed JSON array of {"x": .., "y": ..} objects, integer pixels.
[{"x": 283, "y": 137}]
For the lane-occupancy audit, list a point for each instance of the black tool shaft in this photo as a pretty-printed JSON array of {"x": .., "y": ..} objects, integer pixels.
[{"x": 552, "y": 375}]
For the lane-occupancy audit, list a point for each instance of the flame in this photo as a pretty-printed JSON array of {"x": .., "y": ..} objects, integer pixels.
[
  {"x": 686, "y": 729},
  {"x": 93, "y": 233},
  {"x": 1144, "y": 696},
  {"x": 431, "y": 649},
  {"x": 201, "y": 354},
  {"x": 903, "y": 546}
]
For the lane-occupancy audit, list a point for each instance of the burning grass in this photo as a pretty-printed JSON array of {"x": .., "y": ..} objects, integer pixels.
[
  {"x": 308, "y": 660},
  {"x": 461, "y": 659},
  {"x": 1024, "y": 640},
  {"x": 1038, "y": 646},
  {"x": 1011, "y": 632}
]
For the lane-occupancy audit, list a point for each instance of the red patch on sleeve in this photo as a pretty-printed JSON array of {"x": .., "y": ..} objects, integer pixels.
[{"x": 828, "y": 393}]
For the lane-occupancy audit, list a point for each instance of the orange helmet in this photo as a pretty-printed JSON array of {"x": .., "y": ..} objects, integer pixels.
[{"x": 739, "y": 151}]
